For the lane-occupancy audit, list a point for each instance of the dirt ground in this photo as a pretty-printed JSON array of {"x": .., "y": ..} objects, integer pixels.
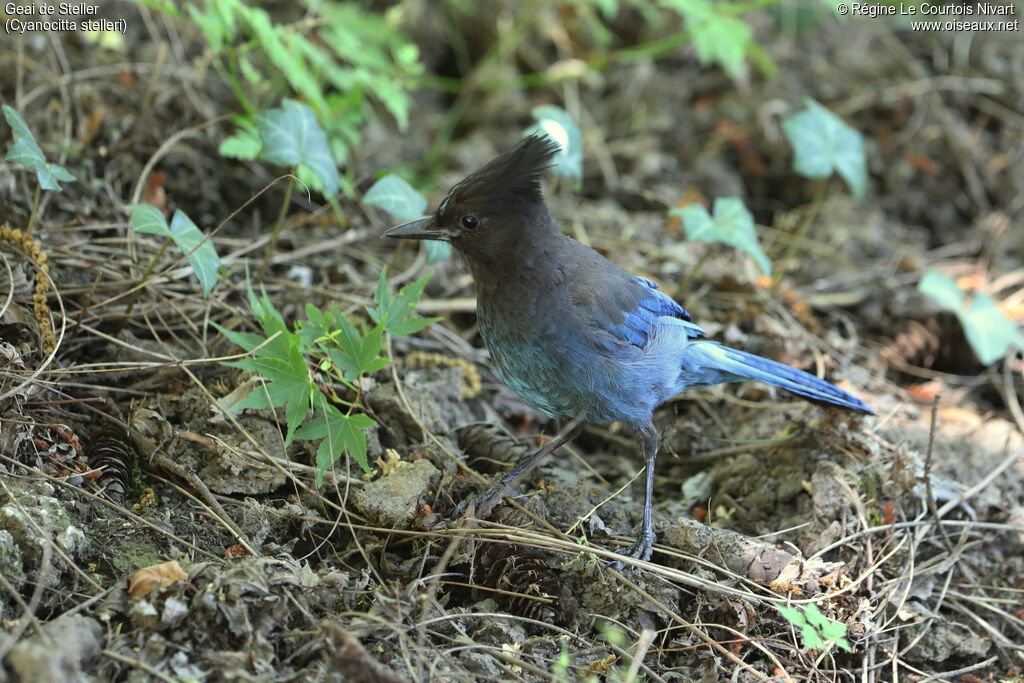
[{"x": 907, "y": 527}]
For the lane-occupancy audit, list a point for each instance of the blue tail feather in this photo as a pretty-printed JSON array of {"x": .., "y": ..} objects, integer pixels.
[{"x": 709, "y": 363}]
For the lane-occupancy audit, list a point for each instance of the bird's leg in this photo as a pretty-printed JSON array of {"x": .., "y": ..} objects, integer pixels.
[
  {"x": 642, "y": 549},
  {"x": 483, "y": 502}
]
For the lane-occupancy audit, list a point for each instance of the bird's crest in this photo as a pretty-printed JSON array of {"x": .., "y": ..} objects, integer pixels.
[{"x": 513, "y": 175}]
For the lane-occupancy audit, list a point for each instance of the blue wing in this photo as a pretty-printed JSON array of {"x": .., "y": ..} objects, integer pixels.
[{"x": 651, "y": 305}]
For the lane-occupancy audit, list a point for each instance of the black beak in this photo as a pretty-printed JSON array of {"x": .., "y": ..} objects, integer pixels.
[{"x": 423, "y": 229}]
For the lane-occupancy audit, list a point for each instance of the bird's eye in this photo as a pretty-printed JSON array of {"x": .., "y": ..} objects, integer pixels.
[{"x": 469, "y": 221}]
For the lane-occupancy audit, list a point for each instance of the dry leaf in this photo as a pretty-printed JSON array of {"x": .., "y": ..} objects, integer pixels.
[{"x": 146, "y": 579}]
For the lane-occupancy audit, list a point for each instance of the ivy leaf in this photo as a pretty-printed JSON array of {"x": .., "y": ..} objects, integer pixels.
[
  {"x": 397, "y": 314},
  {"x": 200, "y": 251},
  {"x": 292, "y": 136},
  {"x": 942, "y": 290},
  {"x": 988, "y": 330},
  {"x": 245, "y": 143},
  {"x": 836, "y": 632},
  {"x": 183, "y": 232},
  {"x": 148, "y": 219},
  {"x": 353, "y": 354},
  {"x": 717, "y": 38},
  {"x": 815, "y": 628},
  {"x": 247, "y": 340},
  {"x": 270, "y": 319},
  {"x": 792, "y": 615},
  {"x": 340, "y": 432},
  {"x": 556, "y": 123},
  {"x": 397, "y": 197},
  {"x": 26, "y": 151},
  {"x": 812, "y": 641},
  {"x": 288, "y": 382},
  {"x": 317, "y": 325},
  {"x": 732, "y": 224},
  {"x": 402, "y": 201},
  {"x": 823, "y": 144},
  {"x": 814, "y": 616},
  {"x": 437, "y": 251},
  {"x": 277, "y": 334}
]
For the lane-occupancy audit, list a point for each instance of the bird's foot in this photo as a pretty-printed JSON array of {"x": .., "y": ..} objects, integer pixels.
[
  {"x": 481, "y": 503},
  {"x": 640, "y": 550}
]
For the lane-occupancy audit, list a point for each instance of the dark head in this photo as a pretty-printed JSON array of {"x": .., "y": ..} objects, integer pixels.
[{"x": 493, "y": 208}]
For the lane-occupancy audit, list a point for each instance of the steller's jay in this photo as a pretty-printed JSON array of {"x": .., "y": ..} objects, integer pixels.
[{"x": 572, "y": 334}]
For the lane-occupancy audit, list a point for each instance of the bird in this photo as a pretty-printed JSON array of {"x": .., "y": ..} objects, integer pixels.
[{"x": 573, "y": 335}]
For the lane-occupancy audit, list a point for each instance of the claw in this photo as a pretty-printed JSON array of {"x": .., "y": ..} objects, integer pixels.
[
  {"x": 640, "y": 550},
  {"x": 482, "y": 503},
  {"x": 460, "y": 509}
]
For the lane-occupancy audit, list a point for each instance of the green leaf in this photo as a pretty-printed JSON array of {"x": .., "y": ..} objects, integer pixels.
[
  {"x": 942, "y": 290},
  {"x": 28, "y": 153},
  {"x": 148, "y": 219},
  {"x": 280, "y": 360},
  {"x": 792, "y": 615},
  {"x": 836, "y": 632},
  {"x": 247, "y": 340},
  {"x": 815, "y": 627},
  {"x": 287, "y": 49},
  {"x": 166, "y": 6},
  {"x": 30, "y": 149},
  {"x": 990, "y": 333},
  {"x": 317, "y": 325},
  {"x": 609, "y": 8},
  {"x": 58, "y": 172},
  {"x": 292, "y": 136},
  {"x": 732, "y": 224},
  {"x": 397, "y": 314},
  {"x": 383, "y": 63},
  {"x": 397, "y": 197},
  {"x": 717, "y": 38},
  {"x": 270, "y": 319},
  {"x": 351, "y": 353},
  {"x": 244, "y": 144},
  {"x": 308, "y": 178},
  {"x": 437, "y": 251},
  {"x": 288, "y": 382},
  {"x": 340, "y": 432},
  {"x": 341, "y": 60},
  {"x": 218, "y": 22},
  {"x": 812, "y": 641},
  {"x": 814, "y": 616},
  {"x": 823, "y": 143},
  {"x": 556, "y": 123},
  {"x": 201, "y": 254},
  {"x": 25, "y": 152}
]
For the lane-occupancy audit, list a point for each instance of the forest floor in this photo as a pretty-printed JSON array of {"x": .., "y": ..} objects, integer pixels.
[{"x": 907, "y": 527}]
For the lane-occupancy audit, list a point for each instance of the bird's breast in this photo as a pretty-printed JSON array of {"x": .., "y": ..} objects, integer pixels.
[
  {"x": 548, "y": 351},
  {"x": 526, "y": 346}
]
